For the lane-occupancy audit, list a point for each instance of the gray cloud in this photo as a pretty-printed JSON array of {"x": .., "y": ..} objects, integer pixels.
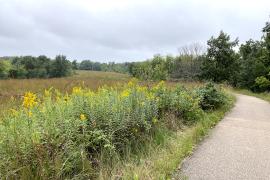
[{"x": 122, "y": 30}]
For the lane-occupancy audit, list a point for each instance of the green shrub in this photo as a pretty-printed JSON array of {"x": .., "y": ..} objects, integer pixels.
[
  {"x": 178, "y": 101},
  {"x": 262, "y": 84},
  {"x": 210, "y": 97}
]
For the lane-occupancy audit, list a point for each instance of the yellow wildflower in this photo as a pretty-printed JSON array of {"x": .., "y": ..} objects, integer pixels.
[
  {"x": 47, "y": 93},
  {"x": 150, "y": 96},
  {"x": 159, "y": 85},
  {"x": 90, "y": 93},
  {"x": 141, "y": 88},
  {"x": 77, "y": 90},
  {"x": 132, "y": 82},
  {"x": 82, "y": 117},
  {"x": 125, "y": 93},
  {"x": 29, "y": 100}
]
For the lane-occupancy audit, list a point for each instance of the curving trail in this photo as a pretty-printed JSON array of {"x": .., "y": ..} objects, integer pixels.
[{"x": 237, "y": 149}]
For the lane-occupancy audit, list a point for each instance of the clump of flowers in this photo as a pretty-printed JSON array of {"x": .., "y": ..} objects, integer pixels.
[
  {"x": 77, "y": 90},
  {"x": 82, "y": 117},
  {"x": 29, "y": 100},
  {"x": 125, "y": 93}
]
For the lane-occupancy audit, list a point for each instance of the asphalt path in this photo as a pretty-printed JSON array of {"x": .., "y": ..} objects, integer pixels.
[{"x": 238, "y": 148}]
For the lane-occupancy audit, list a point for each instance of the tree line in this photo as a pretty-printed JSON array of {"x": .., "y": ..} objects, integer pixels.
[
  {"x": 35, "y": 67},
  {"x": 225, "y": 61},
  {"x": 45, "y": 67},
  {"x": 97, "y": 66}
]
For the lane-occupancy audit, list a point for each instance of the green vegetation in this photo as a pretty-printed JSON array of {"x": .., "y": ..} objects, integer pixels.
[
  {"x": 35, "y": 67},
  {"x": 263, "y": 95},
  {"x": 11, "y": 90},
  {"x": 165, "y": 154},
  {"x": 82, "y": 134},
  {"x": 185, "y": 66},
  {"x": 97, "y": 66},
  {"x": 247, "y": 68},
  {"x": 210, "y": 97}
]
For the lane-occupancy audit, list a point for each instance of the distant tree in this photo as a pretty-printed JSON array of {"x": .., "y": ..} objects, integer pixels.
[
  {"x": 60, "y": 67},
  {"x": 75, "y": 65},
  {"x": 221, "y": 62},
  {"x": 89, "y": 65},
  {"x": 17, "y": 70},
  {"x": 5, "y": 67},
  {"x": 188, "y": 64}
]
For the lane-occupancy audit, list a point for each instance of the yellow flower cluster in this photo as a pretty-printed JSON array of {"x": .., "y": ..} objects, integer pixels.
[
  {"x": 82, "y": 117},
  {"x": 29, "y": 100},
  {"x": 125, "y": 93},
  {"x": 77, "y": 90}
]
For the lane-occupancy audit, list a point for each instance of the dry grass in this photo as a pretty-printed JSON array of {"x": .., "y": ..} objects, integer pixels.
[{"x": 90, "y": 79}]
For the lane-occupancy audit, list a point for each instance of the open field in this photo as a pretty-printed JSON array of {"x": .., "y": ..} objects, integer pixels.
[
  {"x": 89, "y": 79},
  {"x": 12, "y": 90}
]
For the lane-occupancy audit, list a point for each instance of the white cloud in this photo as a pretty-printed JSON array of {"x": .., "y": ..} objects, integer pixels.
[{"x": 122, "y": 29}]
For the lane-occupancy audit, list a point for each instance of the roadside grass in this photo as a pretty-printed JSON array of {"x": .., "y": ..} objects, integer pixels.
[
  {"x": 161, "y": 156},
  {"x": 264, "y": 96}
]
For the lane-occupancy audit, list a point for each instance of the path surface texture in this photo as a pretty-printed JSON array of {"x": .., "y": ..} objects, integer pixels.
[{"x": 238, "y": 148}]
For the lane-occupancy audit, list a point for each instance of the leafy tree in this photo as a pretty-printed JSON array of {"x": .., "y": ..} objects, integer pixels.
[
  {"x": 221, "y": 62},
  {"x": 5, "y": 67},
  {"x": 75, "y": 65},
  {"x": 266, "y": 38},
  {"x": 251, "y": 63},
  {"x": 262, "y": 84},
  {"x": 60, "y": 67},
  {"x": 17, "y": 70}
]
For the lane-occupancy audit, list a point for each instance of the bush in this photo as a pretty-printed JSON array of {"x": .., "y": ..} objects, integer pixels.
[
  {"x": 261, "y": 84},
  {"x": 210, "y": 97}
]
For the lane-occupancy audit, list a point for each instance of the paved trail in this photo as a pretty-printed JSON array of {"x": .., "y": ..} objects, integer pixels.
[{"x": 238, "y": 148}]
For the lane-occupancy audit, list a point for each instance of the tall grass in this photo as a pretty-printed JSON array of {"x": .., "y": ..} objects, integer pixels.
[{"x": 12, "y": 90}]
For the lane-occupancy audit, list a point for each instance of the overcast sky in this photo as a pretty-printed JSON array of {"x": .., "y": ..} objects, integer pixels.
[{"x": 122, "y": 30}]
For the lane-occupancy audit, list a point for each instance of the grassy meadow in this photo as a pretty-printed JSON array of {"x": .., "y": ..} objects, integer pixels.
[
  {"x": 103, "y": 125},
  {"x": 12, "y": 90}
]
